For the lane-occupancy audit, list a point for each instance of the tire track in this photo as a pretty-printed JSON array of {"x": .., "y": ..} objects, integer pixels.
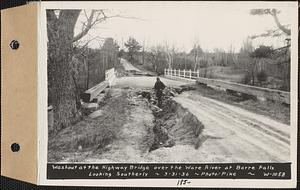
[{"x": 245, "y": 136}]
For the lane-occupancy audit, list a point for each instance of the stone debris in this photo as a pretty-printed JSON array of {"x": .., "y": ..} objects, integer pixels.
[
  {"x": 166, "y": 116},
  {"x": 100, "y": 98},
  {"x": 96, "y": 114},
  {"x": 88, "y": 108},
  {"x": 90, "y": 105}
]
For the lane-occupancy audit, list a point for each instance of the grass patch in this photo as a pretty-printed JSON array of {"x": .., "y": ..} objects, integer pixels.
[{"x": 90, "y": 134}]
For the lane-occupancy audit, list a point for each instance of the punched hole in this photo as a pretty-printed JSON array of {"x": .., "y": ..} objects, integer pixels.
[
  {"x": 15, "y": 147},
  {"x": 14, "y": 44}
]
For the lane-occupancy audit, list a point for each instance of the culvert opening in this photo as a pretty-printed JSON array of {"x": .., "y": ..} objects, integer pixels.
[{"x": 173, "y": 124}]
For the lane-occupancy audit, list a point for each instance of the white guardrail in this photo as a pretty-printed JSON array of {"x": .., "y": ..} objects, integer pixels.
[
  {"x": 182, "y": 73},
  {"x": 110, "y": 76}
]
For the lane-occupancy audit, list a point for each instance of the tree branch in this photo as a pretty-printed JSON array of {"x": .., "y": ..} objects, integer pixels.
[
  {"x": 273, "y": 13},
  {"x": 93, "y": 20},
  {"x": 86, "y": 29},
  {"x": 279, "y": 25},
  {"x": 87, "y": 43}
]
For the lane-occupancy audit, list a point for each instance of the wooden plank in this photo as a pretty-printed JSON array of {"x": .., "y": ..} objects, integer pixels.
[
  {"x": 270, "y": 94},
  {"x": 90, "y": 94}
]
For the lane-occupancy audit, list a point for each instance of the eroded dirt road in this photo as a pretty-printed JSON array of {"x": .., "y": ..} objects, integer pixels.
[
  {"x": 231, "y": 134},
  {"x": 237, "y": 134},
  {"x": 136, "y": 136}
]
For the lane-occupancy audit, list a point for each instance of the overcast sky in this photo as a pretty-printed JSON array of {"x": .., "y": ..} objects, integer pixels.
[{"x": 213, "y": 25}]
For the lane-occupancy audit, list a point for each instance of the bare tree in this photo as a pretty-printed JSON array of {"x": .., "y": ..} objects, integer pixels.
[
  {"x": 196, "y": 52},
  {"x": 158, "y": 57},
  {"x": 233, "y": 56},
  {"x": 143, "y": 52},
  {"x": 170, "y": 53}
]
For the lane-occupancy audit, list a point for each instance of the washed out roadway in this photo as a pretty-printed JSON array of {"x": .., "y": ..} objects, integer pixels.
[{"x": 231, "y": 134}]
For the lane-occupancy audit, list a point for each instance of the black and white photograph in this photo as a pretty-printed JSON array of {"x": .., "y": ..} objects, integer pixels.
[{"x": 170, "y": 83}]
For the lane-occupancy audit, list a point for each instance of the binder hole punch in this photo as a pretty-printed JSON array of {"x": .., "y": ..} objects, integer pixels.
[
  {"x": 15, "y": 147},
  {"x": 14, "y": 44}
]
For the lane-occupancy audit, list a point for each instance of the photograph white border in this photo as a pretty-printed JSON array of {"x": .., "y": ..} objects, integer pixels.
[{"x": 42, "y": 110}]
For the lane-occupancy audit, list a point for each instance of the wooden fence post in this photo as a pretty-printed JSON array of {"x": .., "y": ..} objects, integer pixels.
[
  {"x": 183, "y": 73},
  {"x": 190, "y": 73},
  {"x": 198, "y": 73}
]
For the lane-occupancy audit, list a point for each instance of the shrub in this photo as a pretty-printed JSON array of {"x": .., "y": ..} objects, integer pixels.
[
  {"x": 247, "y": 78},
  {"x": 262, "y": 76},
  {"x": 262, "y": 52}
]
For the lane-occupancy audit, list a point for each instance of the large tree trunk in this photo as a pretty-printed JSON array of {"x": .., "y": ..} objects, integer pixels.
[{"x": 61, "y": 86}]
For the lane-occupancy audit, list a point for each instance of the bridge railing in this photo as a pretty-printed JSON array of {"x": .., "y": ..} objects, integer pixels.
[
  {"x": 110, "y": 76},
  {"x": 259, "y": 92},
  {"x": 92, "y": 93},
  {"x": 189, "y": 74},
  {"x": 270, "y": 94}
]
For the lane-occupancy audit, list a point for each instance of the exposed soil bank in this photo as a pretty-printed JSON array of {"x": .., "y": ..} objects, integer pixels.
[{"x": 173, "y": 124}]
